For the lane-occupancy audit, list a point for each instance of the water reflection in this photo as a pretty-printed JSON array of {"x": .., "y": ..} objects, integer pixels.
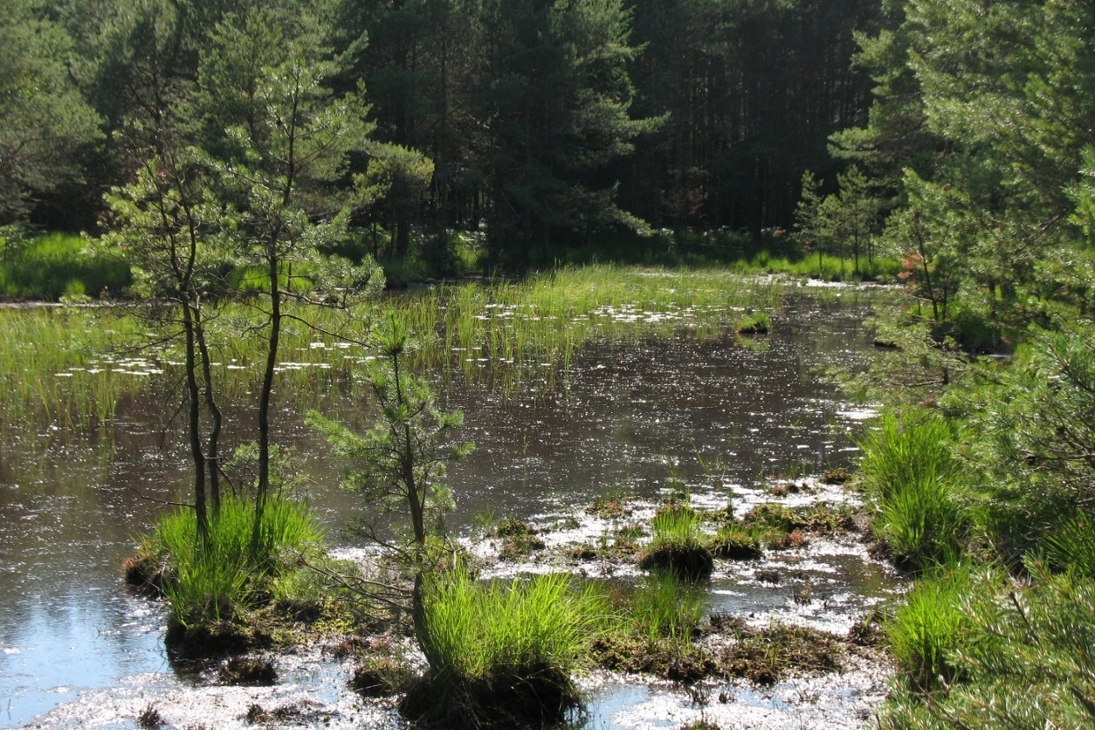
[{"x": 628, "y": 417}]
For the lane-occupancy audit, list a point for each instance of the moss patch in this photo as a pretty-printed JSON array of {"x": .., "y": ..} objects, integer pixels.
[{"x": 765, "y": 656}]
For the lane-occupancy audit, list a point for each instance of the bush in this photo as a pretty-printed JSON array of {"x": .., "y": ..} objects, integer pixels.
[
  {"x": 1024, "y": 657},
  {"x": 501, "y": 654}
]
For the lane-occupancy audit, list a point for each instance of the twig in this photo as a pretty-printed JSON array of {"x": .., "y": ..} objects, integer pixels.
[{"x": 158, "y": 500}]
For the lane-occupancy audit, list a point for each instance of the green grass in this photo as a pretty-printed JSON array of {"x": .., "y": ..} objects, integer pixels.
[
  {"x": 216, "y": 581},
  {"x": 503, "y": 651},
  {"x": 828, "y": 268},
  {"x": 928, "y": 628},
  {"x": 911, "y": 478},
  {"x": 69, "y": 367},
  {"x": 678, "y": 544},
  {"x": 753, "y": 323},
  {"x": 664, "y": 606},
  {"x": 982, "y": 650},
  {"x": 56, "y": 265}
]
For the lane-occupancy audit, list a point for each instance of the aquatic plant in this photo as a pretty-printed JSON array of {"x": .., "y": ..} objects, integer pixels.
[
  {"x": 736, "y": 542},
  {"x": 519, "y": 539},
  {"x": 502, "y": 654},
  {"x": 216, "y": 579},
  {"x": 753, "y": 323},
  {"x": 678, "y": 544},
  {"x": 665, "y": 606}
]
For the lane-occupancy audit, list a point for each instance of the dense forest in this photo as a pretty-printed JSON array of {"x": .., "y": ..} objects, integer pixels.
[{"x": 537, "y": 122}]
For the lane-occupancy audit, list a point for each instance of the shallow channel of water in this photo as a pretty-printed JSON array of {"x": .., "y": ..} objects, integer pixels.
[{"x": 77, "y": 651}]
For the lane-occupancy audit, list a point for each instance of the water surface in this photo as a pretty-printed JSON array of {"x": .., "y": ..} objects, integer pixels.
[{"x": 716, "y": 414}]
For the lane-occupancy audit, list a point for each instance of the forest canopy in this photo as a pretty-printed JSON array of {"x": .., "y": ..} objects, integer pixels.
[{"x": 533, "y": 123}]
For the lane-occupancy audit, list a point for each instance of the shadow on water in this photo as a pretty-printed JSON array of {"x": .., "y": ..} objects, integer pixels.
[{"x": 627, "y": 417}]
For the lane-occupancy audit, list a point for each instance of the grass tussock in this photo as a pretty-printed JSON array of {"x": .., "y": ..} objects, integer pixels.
[
  {"x": 911, "y": 478},
  {"x": 753, "y": 323},
  {"x": 928, "y": 627},
  {"x": 678, "y": 544},
  {"x": 210, "y": 585},
  {"x": 502, "y": 654},
  {"x": 665, "y": 606}
]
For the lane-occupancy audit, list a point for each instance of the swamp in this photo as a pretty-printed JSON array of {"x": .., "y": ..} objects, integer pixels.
[{"x": 584, "y": 430}]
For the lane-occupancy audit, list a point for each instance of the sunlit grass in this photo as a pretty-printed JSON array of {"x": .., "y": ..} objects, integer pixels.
[
  {"x": 504, "y": 649},
  {"x": 666, "y": 606},
  {"x": 72, "y": 366},
  {"x": 911, "y": 478},
  {"x": 215, "y": 580}
]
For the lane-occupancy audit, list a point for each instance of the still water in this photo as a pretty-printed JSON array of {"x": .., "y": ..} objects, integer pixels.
[{"x": 716, "y": 413}]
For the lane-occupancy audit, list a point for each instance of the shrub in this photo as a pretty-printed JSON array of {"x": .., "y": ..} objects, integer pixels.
[
  {"x": 501, "y": 654},
  {"x": 1024, "y": 658}
]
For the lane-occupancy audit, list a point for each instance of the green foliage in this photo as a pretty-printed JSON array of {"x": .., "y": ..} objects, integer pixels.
[
  {"x": 929, "y": 627},
  {"x": 503, "y": 650},
  {"x": 678, "y": 545},
  {"x": 910, "y": 476},
  {"x": 43, "y": 118},
  {"x": 843, "y": 223},
  {"x": 1036, "y": 430},
  {"x": 398, "y": 464},
  {"x": 667, "y": 606},
  {"x": 755, "y": 323},
  {"x": 219, "y": 578},
  {"x": 54, "y": 265},
  {"x": 1036, "y": 637}
]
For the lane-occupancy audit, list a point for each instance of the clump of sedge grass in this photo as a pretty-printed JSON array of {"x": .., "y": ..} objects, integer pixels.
[
  {"x": 502, "y": 654},
  {"x": 911, "y": 477},
  {"x": 753, "y": 323},
  {"x": 211, "y": 582},
  {"x": 736, "y": 542},
  {"x": 666, "y": 607},
  {"x": 678, "y": 544},
  {"x": 928, "y": 628}
]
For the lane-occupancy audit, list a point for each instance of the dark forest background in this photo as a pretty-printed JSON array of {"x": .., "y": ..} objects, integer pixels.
[{"x": 545, "y": 125}]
